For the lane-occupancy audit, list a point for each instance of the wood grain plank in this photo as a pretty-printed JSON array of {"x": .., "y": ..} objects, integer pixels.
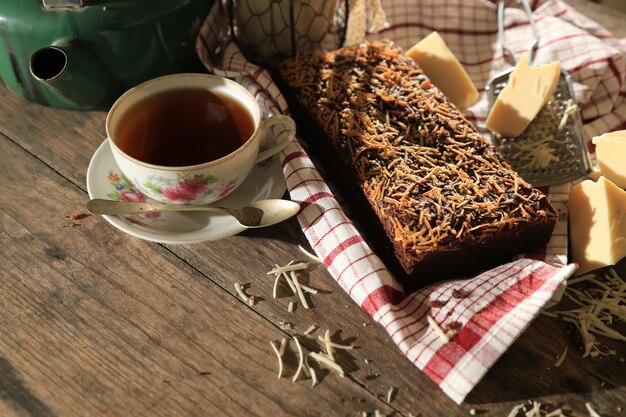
[
  {"x": 223, "y": 264},
  {"x": 98, "y": 323}
]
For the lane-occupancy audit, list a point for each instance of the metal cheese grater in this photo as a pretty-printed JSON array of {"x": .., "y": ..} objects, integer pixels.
[{"x": 552, "y": 149}]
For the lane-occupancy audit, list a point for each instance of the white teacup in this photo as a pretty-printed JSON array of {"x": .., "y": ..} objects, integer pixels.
[{"x": 158, "y": 117}]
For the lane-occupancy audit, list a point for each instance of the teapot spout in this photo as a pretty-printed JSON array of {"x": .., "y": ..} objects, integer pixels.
[{"x": 74, "y": 72}]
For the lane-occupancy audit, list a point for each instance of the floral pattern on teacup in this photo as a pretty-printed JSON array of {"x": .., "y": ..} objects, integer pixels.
[
  {"x": 187, "y": 187},
  {"x": 123, "y": 190}
]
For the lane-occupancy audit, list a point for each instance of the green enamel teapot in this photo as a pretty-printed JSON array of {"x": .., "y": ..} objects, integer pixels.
[{"x": 82, "y": 54}]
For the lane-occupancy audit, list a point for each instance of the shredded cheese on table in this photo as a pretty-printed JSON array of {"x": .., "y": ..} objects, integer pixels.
[
  {"x": 322, "y": 358},
  {"x": 310, "y": 255},
  {"x": 328, "y": 344},
  {"x": 535, "y": 411},
  {"x": 332, "y": 344},
  {"x": 390, "y": 393},
  {"x": 312, "y": 373},
  {"x": 241, "y": 293},
  {"x": 599, "y": 304},
  {"x": 515, "y": 409},
  {"x": 289, "y": 273},
  {"x": 308, "y": 289},
  {"x": 310, "y": 330},
  {"x": 288, "y": 268},
  {"x": 296, "y": 283},
  {"x": 280, "y": 359},
  {"x": 300, "y": 359},
  {"x": 592, "y": 412}
]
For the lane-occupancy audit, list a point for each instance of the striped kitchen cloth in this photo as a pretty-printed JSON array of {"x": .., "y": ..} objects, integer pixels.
[{"x": 481, "y": 316}]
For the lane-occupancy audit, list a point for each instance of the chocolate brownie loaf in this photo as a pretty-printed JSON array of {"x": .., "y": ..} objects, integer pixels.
[{"x": 427, "y": 187}]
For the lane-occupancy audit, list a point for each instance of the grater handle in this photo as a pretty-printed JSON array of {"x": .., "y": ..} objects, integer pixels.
[{"x": 529, "y": 15}]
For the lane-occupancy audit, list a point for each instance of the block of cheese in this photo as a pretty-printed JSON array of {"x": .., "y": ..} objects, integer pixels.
[
  {"x": 597, "y": 213},
  {"x": 527, "y": 91},
  {"x": 444, "y": 70},
  {"x": 611, "y": 156}
]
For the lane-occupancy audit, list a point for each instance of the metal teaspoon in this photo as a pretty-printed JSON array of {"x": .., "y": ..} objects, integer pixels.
[{"x": 260, "y": 213}]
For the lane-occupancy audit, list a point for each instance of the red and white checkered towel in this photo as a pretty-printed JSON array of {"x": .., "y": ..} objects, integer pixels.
[{"x": 500, "y": 303}]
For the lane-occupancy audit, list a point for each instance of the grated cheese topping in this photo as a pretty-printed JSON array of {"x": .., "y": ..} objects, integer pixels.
[{"x": 290, "y": 307}]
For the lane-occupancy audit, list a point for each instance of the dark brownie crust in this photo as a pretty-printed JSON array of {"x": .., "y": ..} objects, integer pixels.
[{"x": 434, "y": 197}]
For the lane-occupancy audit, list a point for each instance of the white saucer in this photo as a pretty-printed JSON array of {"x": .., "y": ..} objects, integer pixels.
[{"x": 104, "y": 180}]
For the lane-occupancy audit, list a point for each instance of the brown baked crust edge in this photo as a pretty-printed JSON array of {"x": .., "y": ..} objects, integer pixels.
[{"x": 430, "y": 267}]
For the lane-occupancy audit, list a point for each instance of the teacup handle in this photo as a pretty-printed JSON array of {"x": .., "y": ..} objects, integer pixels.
[{"x": 276, "y": 119}]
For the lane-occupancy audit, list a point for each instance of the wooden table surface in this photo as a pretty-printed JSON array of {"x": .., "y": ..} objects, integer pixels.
[{"x": 95, "y": 322}]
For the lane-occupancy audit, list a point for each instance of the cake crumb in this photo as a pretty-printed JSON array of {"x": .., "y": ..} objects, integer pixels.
[
  {"x": 453, "y": 326},
  {"x": 285, "y": 325},
  {"x": 78, "y": 216},
  {"x": 461, "y": 294},
  {"x": 437, "y": 303}
]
